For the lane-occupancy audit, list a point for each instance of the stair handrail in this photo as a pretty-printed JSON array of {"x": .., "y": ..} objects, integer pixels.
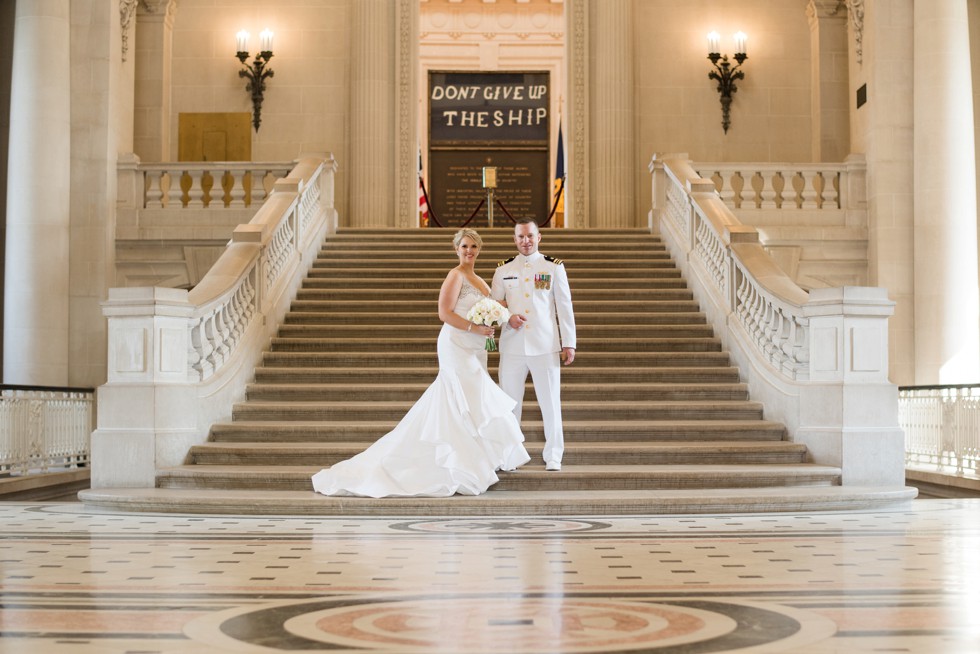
[
  {"x": 817, "y": 360},
  {"x": 766, "y": 302},
  {"x": 178, "y": 359}
]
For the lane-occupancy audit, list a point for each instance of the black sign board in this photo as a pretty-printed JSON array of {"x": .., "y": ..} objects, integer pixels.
[
  {"x": 488, "y": 108},
  {"x": 479, "y": 119}
]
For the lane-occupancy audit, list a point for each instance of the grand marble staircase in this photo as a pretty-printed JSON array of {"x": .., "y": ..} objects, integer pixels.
[{"x": 656, "y": 419}]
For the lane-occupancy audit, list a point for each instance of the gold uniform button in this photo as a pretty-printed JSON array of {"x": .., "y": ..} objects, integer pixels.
[{"x": 527, "y": 295}]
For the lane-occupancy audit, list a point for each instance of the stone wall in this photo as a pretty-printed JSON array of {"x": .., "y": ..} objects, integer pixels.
[{"x": 306, "y": 102}]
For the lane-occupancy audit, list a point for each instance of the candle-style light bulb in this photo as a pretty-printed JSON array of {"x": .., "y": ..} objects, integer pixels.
[
  {"x": 713, "y": 40},
  {"x": 265, "y": 38},
  {"x": 241, "y": 41},
  {"x": 740, "y": 39}
]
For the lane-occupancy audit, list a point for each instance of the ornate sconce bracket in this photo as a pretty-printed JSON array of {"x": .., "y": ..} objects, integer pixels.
[{"x": 726, "y": 75}]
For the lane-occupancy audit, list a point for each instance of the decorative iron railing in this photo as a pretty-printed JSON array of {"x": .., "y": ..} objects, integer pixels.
[
  {"x": 942, "y": 427},
  {"x": 44, "y": 428}
]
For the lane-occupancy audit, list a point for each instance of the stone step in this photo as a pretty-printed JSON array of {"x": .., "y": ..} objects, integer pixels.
[
  {"x": 498, "y": 251},
  {"x": 570, "y": 391},
  {"x": 382, "y": 295},
  {"x": 583, "y": 319},
  {"x": 396, "y": 331},
  {"x": 438, "y": 272},
  {"x": 432, "y": 283},
  {"x": 430, "y": 306},
  {"x": 427, "y": 357},
  {"x": 571, "y": 410},
  {"x": 718, "y": 501},
  {"x": 532, "y": 477},
  {"x": 631, "y": 265},
  {"x": 614, "y": 453},
  {"x": 425, "y": 374},
  {"x": 584, "y": 431},
  {"x": 585, "y": 345}
]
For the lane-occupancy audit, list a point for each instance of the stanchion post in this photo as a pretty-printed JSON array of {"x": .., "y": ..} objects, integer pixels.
[{"x": 489, "y": 183}]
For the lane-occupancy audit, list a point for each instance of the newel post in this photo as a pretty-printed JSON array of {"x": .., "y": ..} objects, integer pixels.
[
  {"x": 144, "y": 408},
  {"x": 848, "y": 416}
]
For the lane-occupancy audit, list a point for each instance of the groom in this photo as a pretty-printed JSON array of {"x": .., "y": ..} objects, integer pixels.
[{"x": 541, "y": 325}]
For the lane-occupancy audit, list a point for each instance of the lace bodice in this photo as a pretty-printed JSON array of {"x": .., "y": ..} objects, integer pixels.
[{"x": 468, "y": 296}]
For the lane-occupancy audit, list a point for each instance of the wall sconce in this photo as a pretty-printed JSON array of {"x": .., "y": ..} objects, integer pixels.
[
  {"x": 256, "y": 72},
  {"x": 725, "y": 74}
]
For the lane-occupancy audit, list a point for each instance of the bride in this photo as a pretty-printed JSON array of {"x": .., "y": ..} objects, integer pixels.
[{"x": 461, "y": 431}]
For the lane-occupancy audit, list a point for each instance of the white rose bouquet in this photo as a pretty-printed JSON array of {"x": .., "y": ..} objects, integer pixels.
[{"x": 488, "y": 312}]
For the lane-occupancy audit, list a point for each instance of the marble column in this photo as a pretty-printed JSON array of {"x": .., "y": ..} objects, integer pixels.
[
  {"x": 887, "y": 118},
  {"x": 611, "y": 119},
  {"x": 36, "y": 305},
  {"x": 829, "y": 80},
  {"x": 947, "y": 301},
  {"x": 153, "y": 53},
  {"x": 372, "y": 113}
]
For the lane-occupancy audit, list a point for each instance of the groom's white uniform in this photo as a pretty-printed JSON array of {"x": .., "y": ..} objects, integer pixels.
[{"x": 536, "y": 287}]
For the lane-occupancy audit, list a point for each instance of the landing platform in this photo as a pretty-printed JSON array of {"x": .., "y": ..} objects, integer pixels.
[{"x": 499, "y": 503}]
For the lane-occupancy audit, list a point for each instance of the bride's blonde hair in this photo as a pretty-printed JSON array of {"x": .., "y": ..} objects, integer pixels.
[{"x": 467, "y": 232}]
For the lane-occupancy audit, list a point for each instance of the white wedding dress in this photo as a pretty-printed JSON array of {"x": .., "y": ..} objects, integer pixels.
[{"x": 453, "y": 440}]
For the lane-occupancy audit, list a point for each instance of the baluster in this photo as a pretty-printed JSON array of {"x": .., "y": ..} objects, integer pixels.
[
  {"x": 153, "y": 185},
  {"x": 175, "y": 194},
  {"x": 259, "y": 191},
  {"x": 809, "y": 191},
  {"x": 195, "y": 193},
  {"x": 237, "y": 188},
  {"x": 724, "y": 188},
  {"x": 779, "y": 188},
  {"x": 204, "y": 347},
  {"x": 832, "y": 195},
  {"x": 768, "y": 192}
]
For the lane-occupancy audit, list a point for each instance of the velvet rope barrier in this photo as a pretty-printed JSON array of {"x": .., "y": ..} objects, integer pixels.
[
  {"x": 473, "y": 215},
  {"x": 506, "y": 213},
  {"x": 432, "y": 213},
  {"x": 561, "y": 189}
]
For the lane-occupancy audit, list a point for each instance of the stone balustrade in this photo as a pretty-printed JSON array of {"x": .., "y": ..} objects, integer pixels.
[
  {"x": 778, "y": 186},
  {"x": 179, "y": 359},
  {"x": 818, "y": 361},
  {"x": 42, "y": 429},
  {"x": 203, "y": 185}
]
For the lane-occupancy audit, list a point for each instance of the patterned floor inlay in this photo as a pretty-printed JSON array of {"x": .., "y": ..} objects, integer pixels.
[{"x": 77, "y": 581}]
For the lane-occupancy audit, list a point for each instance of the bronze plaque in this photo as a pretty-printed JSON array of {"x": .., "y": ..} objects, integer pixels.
[{"x": 456, "y": 181}]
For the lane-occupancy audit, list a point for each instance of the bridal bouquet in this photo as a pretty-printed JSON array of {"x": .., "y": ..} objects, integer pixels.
[{"x": 488, "y": 312}]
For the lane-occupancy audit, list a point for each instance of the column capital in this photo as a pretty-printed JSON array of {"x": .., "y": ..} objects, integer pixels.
[
  {"x": 821, "y": 9},
  {"x": 164, "y": 10}
]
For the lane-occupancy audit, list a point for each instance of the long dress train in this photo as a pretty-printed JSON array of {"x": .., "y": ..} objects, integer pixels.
[{"x": 453, "y": 440}]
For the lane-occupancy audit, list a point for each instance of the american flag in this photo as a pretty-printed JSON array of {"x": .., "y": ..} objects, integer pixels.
[{"x": 423, "y": 205}]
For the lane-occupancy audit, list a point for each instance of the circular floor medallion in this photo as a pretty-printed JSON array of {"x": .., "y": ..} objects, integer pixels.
[
  {"x": 496, "y": 526},
  {"x": 478, "y": 623}
]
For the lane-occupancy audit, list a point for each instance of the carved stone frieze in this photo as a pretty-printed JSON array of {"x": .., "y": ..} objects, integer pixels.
[{"x": 538, "y": 21}]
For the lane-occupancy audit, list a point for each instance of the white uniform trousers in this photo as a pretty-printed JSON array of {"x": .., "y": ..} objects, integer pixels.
[{"x": 545, "y": 372}]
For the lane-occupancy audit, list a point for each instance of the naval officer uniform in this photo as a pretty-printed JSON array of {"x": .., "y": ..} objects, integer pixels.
[{"x": 536, "y": 287}]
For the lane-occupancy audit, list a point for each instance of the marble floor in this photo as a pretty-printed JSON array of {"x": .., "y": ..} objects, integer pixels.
[{"x": 78, "y": 581}]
